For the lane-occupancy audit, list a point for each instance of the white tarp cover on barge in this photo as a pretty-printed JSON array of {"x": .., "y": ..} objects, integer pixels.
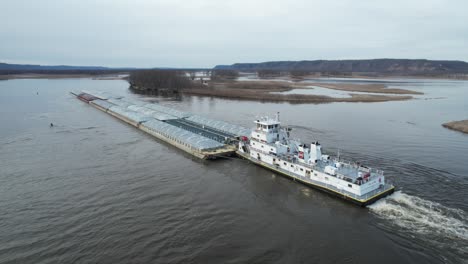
[
  {"x": 220, "y": 125},
  {"x": 134, "y": 116},
  {"x": 150, "y": 112},
  {"x": 168, "y": 110},
  {"x": 186, "y": 137},
  {"x": 104, "y": 104},
  {"x": 133, "y": 102},
  {"x": 101, "y": 95},
  {"x": 119, "y": 102},
  {"x": 141, "y": 111}
]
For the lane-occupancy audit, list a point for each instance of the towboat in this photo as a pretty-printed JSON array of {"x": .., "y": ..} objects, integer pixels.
[{"x": 269, "y": 145}]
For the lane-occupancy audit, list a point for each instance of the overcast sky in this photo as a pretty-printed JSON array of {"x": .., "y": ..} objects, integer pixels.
[{"x": 204, "y": 33}]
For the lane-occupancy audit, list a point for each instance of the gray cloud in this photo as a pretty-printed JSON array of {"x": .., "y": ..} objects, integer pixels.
[{"x": 205, "y": 33}]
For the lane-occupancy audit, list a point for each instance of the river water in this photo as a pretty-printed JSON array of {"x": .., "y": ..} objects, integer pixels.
[{"x": 95, "y": 190}]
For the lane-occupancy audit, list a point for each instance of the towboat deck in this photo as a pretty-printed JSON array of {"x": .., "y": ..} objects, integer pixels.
[
  {"x": 346, "y": 171},
  {"x": 360, "y": 199}
]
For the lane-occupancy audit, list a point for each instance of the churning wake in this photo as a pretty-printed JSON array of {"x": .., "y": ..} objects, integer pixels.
[{"x": 417, "y": 215}]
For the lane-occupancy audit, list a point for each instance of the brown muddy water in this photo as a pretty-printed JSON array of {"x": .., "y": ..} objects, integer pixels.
[{"x": 95, "y": 190}]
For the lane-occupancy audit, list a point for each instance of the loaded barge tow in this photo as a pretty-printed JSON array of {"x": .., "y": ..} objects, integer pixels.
[{"x": 267, "y": 145}]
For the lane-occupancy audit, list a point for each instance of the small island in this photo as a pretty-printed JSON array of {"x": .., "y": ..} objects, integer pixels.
[
  {"x": 461, "y": 126},
  {"x": 227, "y": 84}
]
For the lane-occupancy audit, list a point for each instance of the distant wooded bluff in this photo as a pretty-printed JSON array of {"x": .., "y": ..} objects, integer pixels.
[
  {"x": 8, "y": 69},
  {"x": 374, "y": 66}
]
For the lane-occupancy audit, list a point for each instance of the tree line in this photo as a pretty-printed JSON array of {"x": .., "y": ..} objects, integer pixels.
[
  {"x": 159, "y": 81},
  {"x": 224, "y": 74}
]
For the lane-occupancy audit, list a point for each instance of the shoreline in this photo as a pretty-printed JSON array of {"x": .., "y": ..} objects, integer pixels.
[
  {"x": 365, "y": 88},
  {"x": 460, "y": 126}
]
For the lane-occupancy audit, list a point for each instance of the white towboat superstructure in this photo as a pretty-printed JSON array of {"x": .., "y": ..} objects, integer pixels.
[{"x": 270, "y": 146}]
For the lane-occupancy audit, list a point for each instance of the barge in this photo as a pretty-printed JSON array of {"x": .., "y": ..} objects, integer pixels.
[{"x": 168, "y": 125}]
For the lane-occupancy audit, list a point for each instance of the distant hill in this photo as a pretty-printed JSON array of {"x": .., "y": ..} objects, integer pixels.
[
  {"x": 379, "y": 66},
  {"x": 7, "y": 66}
]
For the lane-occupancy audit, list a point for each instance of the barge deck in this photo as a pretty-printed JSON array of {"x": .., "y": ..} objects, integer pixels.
[{"x": 166, "y": 124}]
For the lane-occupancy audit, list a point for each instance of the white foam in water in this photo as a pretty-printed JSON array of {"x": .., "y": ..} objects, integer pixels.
[{"x": 422, "y": 216}]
